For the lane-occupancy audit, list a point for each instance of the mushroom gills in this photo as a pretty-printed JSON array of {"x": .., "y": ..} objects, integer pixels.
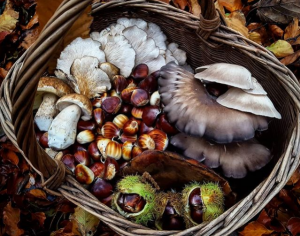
[{"x": 235, "y": 159}]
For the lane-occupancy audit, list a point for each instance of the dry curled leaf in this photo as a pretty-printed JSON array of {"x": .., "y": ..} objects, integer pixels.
[
  {"x": 231, "y": 5},
  {"x": 10, "y": 156},
  {"x": 30, "y": 38},
  {"x": 292, "y": 32},
  {"x": 237, "y": 21},
  {"x": 87, "y": 223},
  {"x": 11, "y": 218},
  {"x": 40, "y": 217},
  {"x": 194, "y": 7},
  {"x": 264, "y": 218},
  {"x": 38, "y": 193},
  {"x": 276, "y": 31},
  {"x": 281, "y": 48},
  {"x": 255, "y": 229},
  {"x": 258, "y": 33},
  {"x": 9, "y": 18},
  {"x": 293, "y": 226},
  {"x": 181, "y": 4}
]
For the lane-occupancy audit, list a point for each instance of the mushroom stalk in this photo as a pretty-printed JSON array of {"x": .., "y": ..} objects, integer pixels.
[
  {"x": 62, "y": 132},
  {"x": 46, "y": 112}
]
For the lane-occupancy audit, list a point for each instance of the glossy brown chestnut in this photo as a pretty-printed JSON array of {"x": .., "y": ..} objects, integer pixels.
[
  {"x": 126, "y": 109},
  {"x": 85, "y": 136},
  {"x": 137, "y": 112},
  {"x": 86, "y": 125},
  {"x": 171, "y": 220},
  {"x": 110, "y": 130},
  {"x": 126, "y": 94},
  {"x": 93, "y": 151},
  {"x": 163, "y": 124},
  {"x": 136, "y": 150},
  {"x": 160, "y": 138},
  {"x": 139, "y": 97},
  {"x": 197, "y": 214},
  {"x": 99, "y": 116},
  {"x": 144, "y": 129},
  {"x": 69, "y": 161},
  {"x": 111, "y": 168},
  {"x": 82, "y": 157},
  {"x": 84, "y": 174},
  {"x": 98, "y": 168},
  {"x": 131, "y": 127},
  {"x": 195, "y": 198},
  {"x": 101, "y": 188},
  {"x": 130, "y": 138},
  {"x": 150, "y": 114},
  {"x": 131, "y": 203},
  {"x": 97, "y": 102},
  {"x": 38, "y": 135},
  {"x": 140, "y": 72},
  {"x": 111, "y": 105},
  {"x": 119, "y": 83},
  {"x": 149, "y": 84},
  {"x": 44, "y": 140},
  {"x": 78, "y": 147}
]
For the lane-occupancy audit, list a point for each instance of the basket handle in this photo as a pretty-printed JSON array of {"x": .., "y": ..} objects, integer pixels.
[
  {"x": 26, "y": 80},
  {"x": 209, "y": 19}
]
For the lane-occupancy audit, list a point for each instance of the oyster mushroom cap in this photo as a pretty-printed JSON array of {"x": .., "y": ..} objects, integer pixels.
[
  {"x": 194, "y": 112},
  {"x": 110, "y": 69},
  {"x": 235, "y": 159},
  {"x": 145, "y": 47},
  {"x": 170, "y": 57},
  {"x": 119, "y": 52},
  {"x": 238, "y": 99},
  {"x": 133, "y": 22},
  {"x": 177, "y": 53},
  {"x": 78, "y": 48},
  {"x": 224, "y": 73},
  {"x": 90, "y": 80},
  {"x": 48, "y": 91},
  {"x": 257, "y": 88},
  {"x": 153, "y": 31},
  {"x": 156, "y": 64},
  {"x": 80, "y": 100}
]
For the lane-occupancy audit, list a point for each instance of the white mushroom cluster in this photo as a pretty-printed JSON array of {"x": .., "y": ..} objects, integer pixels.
[{"x": 218, "y": 128}]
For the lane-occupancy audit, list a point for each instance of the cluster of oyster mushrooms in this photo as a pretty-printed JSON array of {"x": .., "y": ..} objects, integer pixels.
[{"x": 217, "y": 112}]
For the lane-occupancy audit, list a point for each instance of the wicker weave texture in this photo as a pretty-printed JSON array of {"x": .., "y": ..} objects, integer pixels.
[{"x": 203, "y": 46}]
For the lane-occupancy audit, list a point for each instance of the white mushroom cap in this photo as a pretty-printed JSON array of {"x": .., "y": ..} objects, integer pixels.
[
  {"x": 177, "y": 53},
  {"x": 89, "y": 79},
  {"x": 133, "y": 22},
  {"x": 224, "y": 73},
  {"x": 235, "y": 159},
  {"x": 80, "y": 100},
  {"x": 119, "y": 52},
  {"x": 257, "y": 88},
  {"x": 153, "y": 31},
  {"x": 156, "y": 64},
  {"x": 238, "y": 99},
  {"x": 144, "y": 47},
  {"x": 101, "y": 37},
  {"x": 78, "y": 48},
  {"x": 170, "y": 57}
]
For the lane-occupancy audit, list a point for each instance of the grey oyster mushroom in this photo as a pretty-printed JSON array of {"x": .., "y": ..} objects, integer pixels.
[
  {"x": 177, "y": 53},
  {"x": 48, "y": 91},
  {"x": 78, "y": 48},
  {"x": 257, "y": 88},
  {"x": 63, "y": 130},
  {"x": 235, "y": 159},
  {"x": 89, "y": 80},
  {"x": 194, "y": 112}
]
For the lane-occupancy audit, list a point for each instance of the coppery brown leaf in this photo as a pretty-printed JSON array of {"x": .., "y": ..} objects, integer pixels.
[
  {"x": 290, "y": 200},
  {"x": 296, "y": 175},
  {"x": 10, "y": 156},
  {"x": 33, "y": 21},
  {"x": 256, "y": 229},
  {"x": 181, "y": 4},
  {"x": 276, "y": 31},
  {"x": 292, "y": 32},
  {"x": 38, "y": 193},
  {"x": 39, "y": 217},
  {"x": 231, "y": 5},
  {"x": 293, "y": 226},
  {"x": 237, "y": 21},
  {"x": 264, "y": 218},
  {"x": 31, "y": 36},
  {"x": 11, "y": 218}
]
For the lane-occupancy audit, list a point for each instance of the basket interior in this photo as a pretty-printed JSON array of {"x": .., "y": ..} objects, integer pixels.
[{"x": 198, "y": 54}]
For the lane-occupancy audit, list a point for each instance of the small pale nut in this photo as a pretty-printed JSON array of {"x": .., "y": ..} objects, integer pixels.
[
  {"x": 85, "y": 136},
  {"x": 111, "y": 168},
  {"x": 160, "y": 138},
  {"x": 146, "y": 142},
  {"x": 120, "y": 120},
  {"x": 127, "y": 150},
  {"x": 155, "y": 99},
  {"x": 102, "y": 144},
  {"x": 83, "y": 174}
]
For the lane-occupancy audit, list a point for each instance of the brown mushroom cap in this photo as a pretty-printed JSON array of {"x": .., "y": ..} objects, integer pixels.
[
  {"x": 80, "y": 100},
  {"x": 224, "y": 73},
  {"x": 51, "y": 85},
  {"x": 238, "y": 99},
  {"x": 235, "y": 159},
  {"x": 194, "y": 112}
]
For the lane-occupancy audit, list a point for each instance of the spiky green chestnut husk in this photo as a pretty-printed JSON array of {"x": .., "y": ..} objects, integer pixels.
[
  {"x": 133, "y": 184},
  {"x": 162, "y": 200},
  {"x": 212, "y": 199}
]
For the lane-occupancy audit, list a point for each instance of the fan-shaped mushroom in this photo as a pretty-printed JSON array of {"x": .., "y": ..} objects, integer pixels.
[
  {"x": 48, "y": 91},
  {"x": 78, "y": 48},
  {"x": 62, "y": 132},
  {"x": 195, "y": 112},
  {"x": 89, "y": 80},
  {"x": 177, "y": 53},
  {"x": 235, "y": 159}
]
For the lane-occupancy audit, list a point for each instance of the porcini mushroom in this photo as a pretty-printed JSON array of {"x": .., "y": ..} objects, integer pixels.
[
  {"x": 78, "y": 48},
  {"x": 257, "y": 104},
  {"x": 224, "y": 73},
  {"x": 194, "y": 112},
  {"x": 63, "y": 130},
  {"x": 235, "y": 159},
  {"x": 48, "y": 91},
  {"x": 89, "y": 80}
]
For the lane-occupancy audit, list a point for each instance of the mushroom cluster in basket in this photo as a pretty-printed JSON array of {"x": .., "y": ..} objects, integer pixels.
[{"x": 119, "y": 97}]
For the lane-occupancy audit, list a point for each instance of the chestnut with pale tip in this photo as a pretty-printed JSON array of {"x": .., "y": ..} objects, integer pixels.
[
  {"x": 82, "y": 157},
  {"x": 155, "y": 99},
  {"x": 102, "y": 144},
  {"x": 114, "y": 150},
  {"x": 119, "y": 83},
  {"x": 99, "y": 116},
  {"x": 131, "y": 127},
  {"x": 110, "y": 130},
  {"x": 146, "y": 142},
  {"x": 137, "y": 112},
  {"x": 83, "y": 174},
  {"x": 85, "y": 136},
  {"x": 111, "y": 168},
  {"x": 126, "y": 93},
  {"x": 160, "y": 139},
  {"x": 139, "y": 98},
  {"x": 69, "y": 161},
  {"x": 127, "y": 150},
  {"x": 48, "y": 91},
  {"x": 98, "y": 169},
  {"x": 86, "y": 125},
  {"x": 120, "y": 120},
  {"x": 125, "y": 137},
  {"x": 94, "y": 152}
]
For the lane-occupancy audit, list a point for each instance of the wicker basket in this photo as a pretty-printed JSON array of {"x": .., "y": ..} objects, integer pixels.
[{"x": 206, "y": 40}]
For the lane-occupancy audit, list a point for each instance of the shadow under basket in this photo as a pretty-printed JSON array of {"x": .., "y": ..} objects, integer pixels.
[{"x": 206, "y": 40}]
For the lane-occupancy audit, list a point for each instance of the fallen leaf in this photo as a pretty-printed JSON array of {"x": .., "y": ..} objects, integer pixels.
[
  {"x": 293, "y": 225},
  {"x": 87, "y": 223},
  {"x": 38, "y": 193},
  {"x": 290, "y": 200},
  {"x": 3, "y": 35},
  {"x": 278, "y": 12},
  {"x": 39, "y": 217},
  {"x": 276, "y": 30},
  {"x": 61, "y": 232},
  {"x": 10, "y": 156},
  {"x": 256, "y": 37},
  {"x": 237, "y": 21},
  {"x": 292, "y": 32},
  {"x": 255, "y": 29},
  {"x": 9, "y": 18},
  {"x": 33, "y": 21},
  {"x": 287, "y": 61},
  {"x": 296, "y": 175},
  {"x": 194, "y": 7},
  {"x": 255, "y": 229},
  {"x": 281, "y": 48},
  {"x": 9, "y": 146},
  {"x": 231, "y": 5},
  {"x": 283, "y": 214},
  {"x": 264, "y": 218},
  {"x": 11, "y": 218},
  {"x": 31, "y": 37},
  {"x": 276, "y": 226},
  {"x": 181, "y": 4}
]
